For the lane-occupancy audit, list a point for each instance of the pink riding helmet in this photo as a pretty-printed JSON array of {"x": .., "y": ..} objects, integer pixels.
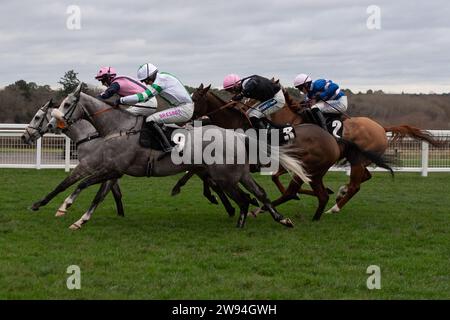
[
  {"x": 106, "y": 71},
  {"x": 230, "y": 80}
]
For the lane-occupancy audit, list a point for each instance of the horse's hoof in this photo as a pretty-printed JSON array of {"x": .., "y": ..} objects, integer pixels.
[
  {"x": 75, "y": 226},
  {"x": 329, "y": 191},
  {"x": 287, "y": 222},
  {"x": 231, "y": 213},
  {"x": 175, "y": 192},
  {"x": 256, "y": 211},
  {"x": 334, "y": 209},
  {"x": 35, "y": 207},
  {"x": 213, "y": 200},
  {"x": 60, "y": 213}
]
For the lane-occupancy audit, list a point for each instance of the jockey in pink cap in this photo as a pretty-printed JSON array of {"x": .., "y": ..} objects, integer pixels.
[
  {"x": 124, "y": 86},
  {"x": 268, "y": 93}
]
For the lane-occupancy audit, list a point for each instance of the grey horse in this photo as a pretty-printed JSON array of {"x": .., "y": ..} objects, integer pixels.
[
  {"x": 86, "y": 138},
  {"x": 120, "y": 153}
]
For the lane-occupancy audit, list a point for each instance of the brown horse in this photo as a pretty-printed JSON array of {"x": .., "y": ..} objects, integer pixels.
[
  {"x": 317, "y": 149},
  {"x": 364, "y": 132}
]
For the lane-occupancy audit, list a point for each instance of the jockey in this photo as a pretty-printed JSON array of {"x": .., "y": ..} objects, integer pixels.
[
  {"x": 323, "y": 95},
  {"x": 170, "y": 89},
  {"x": 268, "y": 93},
  {"x": 123, "y": 86}
]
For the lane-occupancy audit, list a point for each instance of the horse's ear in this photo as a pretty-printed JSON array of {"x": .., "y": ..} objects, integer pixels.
[
  {"x": 207, "y": 88},
  {"x": 278, "y": 81},
  {"x": 201, "y": 86},
  {"x": 48, "y": 104},
  {"x": 77, "y": 91}
]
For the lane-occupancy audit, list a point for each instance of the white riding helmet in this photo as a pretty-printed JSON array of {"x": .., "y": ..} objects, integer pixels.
[
  {"x": 146, "y": 70},
  {"x": 301, "y": 79}
]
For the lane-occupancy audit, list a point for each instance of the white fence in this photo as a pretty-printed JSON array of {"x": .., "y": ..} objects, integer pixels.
[{"x": 57, "y": 151}]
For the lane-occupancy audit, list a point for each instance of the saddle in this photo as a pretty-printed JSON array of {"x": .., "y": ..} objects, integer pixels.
[
  {"x": 334, "y": 121},
  {"x": 286, "y": 132},
  {"x": 149, "y": 138}
]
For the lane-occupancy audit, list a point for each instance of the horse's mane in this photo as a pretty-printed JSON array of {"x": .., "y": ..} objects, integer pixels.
[
  {"x": 217, "y": 96},
  {"x": 106, "y": 104}
]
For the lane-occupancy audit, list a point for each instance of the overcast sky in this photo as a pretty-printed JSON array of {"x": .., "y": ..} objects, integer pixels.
[{"x": 202, "y": 41}]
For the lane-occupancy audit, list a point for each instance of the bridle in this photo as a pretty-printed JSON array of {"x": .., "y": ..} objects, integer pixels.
[
  {"x": 39, "y": 127},
  {"x": 67, "y": 116}
]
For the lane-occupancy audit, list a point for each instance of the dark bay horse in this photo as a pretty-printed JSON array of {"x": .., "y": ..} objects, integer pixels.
[{"x": 317, "y": 149}]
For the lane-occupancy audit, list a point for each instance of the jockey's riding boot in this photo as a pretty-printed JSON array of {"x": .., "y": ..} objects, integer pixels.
[
  {"x": 165, "y": 143},
  {"x": 258, "y": 123},
  {"x": 319, "y": 118}
]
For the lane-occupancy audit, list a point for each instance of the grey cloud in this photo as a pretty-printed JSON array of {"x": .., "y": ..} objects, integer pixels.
[{"x": 201, "y": 41}]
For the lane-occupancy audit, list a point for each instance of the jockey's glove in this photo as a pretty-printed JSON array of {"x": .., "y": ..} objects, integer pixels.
[
  {"x": 238, "y": 97},
  {"x": 117, "y": 102}
]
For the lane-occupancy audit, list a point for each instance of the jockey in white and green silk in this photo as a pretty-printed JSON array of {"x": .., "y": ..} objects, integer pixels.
[{"x": 169, "y": 88}]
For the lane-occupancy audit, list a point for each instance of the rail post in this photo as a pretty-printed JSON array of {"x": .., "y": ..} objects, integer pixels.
[
  {"x": 67, "y": 155},
  {"x": 38, "y": 153},
  {"x": 425, "y": 154}
]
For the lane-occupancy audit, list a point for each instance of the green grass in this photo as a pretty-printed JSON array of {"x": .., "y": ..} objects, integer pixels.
[{"x": 185, "y": 248}]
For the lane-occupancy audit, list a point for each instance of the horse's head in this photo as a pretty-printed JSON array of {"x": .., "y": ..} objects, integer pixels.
[
  {"x": 69, "y": 111},
  {"x": 38, "y": 125},
  {"x": 200, "y": 100}
]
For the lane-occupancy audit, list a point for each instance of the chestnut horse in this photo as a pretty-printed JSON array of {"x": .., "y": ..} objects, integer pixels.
[{"x": 368, "y": 134}]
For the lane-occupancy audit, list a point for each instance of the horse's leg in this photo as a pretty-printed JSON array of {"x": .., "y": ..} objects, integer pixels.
[
  {"x": 343, "y": 189},
  {"x": 224, "y": 199},
  {"x": 207, "y": 192},
  {"x": 312, "y": 193},
  {"x": 251, "y": 185},
  {"x": 357, "y": 174},
  {"x": 183, "y": 180},
  {"x": 117, "y": 194},
  {"x": 62, "y": 210},
  {"x": 276, "y": 180},
  {"x": 101, "y": 194},
  {"x": 77, "y": 174},
  {"x": 322, "y": 195},
  {"x": 289, "y": 194},
  {"x": 238, "y": 196}
]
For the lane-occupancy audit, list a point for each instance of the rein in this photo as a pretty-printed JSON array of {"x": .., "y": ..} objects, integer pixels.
[
  {"x": 227, "y": 105},
  {"x": 100, "y": 112}
]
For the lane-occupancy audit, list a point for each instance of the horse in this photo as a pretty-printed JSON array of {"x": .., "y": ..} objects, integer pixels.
[
  {"x": 120, "y": 153},
  {"x": 364, "y": 132},
  {"x": 86, "y": 138},
  {"x": 317, "y": 149}
]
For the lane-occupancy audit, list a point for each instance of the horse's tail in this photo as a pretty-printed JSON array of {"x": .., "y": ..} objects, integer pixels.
[
  {"x": 400, "y": 132},
  {"x": 291, "y": 164},
  {"x": 355, "y": 155},
  {"x": 282, "y": 156}
]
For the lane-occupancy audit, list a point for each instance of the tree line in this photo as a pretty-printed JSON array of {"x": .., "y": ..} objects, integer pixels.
[{"x": 20, "y": 100}]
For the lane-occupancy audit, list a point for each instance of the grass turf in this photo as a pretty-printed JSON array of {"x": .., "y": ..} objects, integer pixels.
[{"x": 185, "y": 248}]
